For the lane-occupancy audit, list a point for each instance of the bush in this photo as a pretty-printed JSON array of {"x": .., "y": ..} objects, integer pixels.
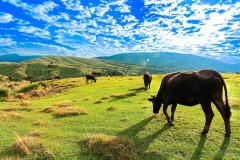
[
  {"x": 3, "y": 93},
  {"x": 28, "y": 88}
]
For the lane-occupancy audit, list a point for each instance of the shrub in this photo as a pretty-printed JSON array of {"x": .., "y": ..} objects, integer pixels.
[
  {"x": 28, "y": 88},
  {"x": 3, "y": 93}
]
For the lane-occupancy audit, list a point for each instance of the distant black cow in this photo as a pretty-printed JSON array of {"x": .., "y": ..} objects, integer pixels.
[
  {"x": 57, "y": 77},
  {"x": 90, "y": 77},
  {"x": 42, "y": 84},
  {"x": 190, "y": 89},
  {"x": 147, "y": 78},
  {"x": 96, "y": 73}
]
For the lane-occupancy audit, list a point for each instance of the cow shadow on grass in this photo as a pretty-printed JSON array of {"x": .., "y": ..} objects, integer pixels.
[
  {"x": 143, "y": 143},
  {"x": 198, "y": 151},
  {"x": 131, "y": 93},
  {"x": 221, "y": 153},
  {"x": 139, "y": 149}
]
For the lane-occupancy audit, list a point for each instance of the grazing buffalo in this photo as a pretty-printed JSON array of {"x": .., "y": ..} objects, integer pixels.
[
  {"x": 190, "y": 89},
  {"x": 147, "y": 78},
  {"x": 96, "y": 73},
  {"x": 57, "y": 77},
  {"x": 90, "y": 77},
  {"x": 42, "y": 84}
]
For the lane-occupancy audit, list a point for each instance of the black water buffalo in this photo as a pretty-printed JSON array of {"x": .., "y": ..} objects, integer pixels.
[
  {"x": 90, "y": 77},
  {"x": 57, "y": 77},
  {"x": 147, "y": 78},
  {"x": 96, "y": 73},
  {"x": 190, "y": 89}
]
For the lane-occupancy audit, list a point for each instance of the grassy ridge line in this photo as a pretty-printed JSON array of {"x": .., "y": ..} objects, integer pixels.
[
  {"x": 66, "y": 67},
  {"x": 130, "y": 117}
]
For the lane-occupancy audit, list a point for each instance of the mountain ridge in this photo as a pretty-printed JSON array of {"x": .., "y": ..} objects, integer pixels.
[
  {"x": 16, "y": 58},
  {"x": 176, "y": 61}
]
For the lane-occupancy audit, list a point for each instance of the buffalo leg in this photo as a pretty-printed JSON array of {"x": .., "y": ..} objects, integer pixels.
[
  {"x": 166, "y": 114},
  {"x": 222, "y": 109},
  {"x": 209, "y": 116},
  {"x": 173, "y": 108}
]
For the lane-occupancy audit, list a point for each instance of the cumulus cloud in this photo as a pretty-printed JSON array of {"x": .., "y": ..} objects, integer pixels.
[
  {"x": 7, "y": 42},
  {"x": 34, "y": 31},
  {"x": 6, "y": 18}
]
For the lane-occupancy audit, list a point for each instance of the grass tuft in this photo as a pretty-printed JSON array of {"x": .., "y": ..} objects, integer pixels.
[
  {"x": 35, "y": 133},
  {"x": 39, "y": 123},
  {"x": 110, "y": 147},
  {"x": 111, "y": 108},
  {"x": 70, "y": 111},
  {"x": 32, "y": 147},
  {"x": 65, "y": 103},
  {"x": 99, "y": 101},
  {"x": 10, "y": 115},
  {"x": 25, "y": 103},
  {"x": 50, "y": 109},
  {"x": 105, "y": 97}
]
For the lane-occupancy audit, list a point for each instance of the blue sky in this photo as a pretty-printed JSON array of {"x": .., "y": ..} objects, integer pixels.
[{"x": 90, "y": 28}]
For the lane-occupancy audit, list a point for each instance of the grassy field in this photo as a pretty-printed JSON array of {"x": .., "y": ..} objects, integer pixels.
[{"x": 112, "y": 119}]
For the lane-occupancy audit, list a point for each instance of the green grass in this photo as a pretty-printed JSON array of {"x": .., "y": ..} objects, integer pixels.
[{"x": 123, "y": 118}]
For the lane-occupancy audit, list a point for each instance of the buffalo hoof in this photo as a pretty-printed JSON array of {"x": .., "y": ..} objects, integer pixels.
[
  {"x": 227, "y": 134},
  {"x": 170, "y": 124}
]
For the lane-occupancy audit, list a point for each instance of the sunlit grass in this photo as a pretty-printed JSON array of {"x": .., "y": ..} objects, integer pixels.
[{"x": 122, "y": 118}]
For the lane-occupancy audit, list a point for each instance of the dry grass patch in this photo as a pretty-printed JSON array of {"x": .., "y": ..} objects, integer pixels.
[
  {"x": 10, "y": 115},
  {"x": 65, "y": 103},
  {"x": 99, "y": 101},
  {"x": 70, "y": 111},
  {"x": 55, "y": 107},
  {"x": 132, "y": 94},
  {"x": 35, "y": 134},
  {"x": 233, "y": 103},
  {"x": 117, "y": 95},
  {"x": 31, "y": 147},
  {"x": 87, "y": 98},
  {"x": 9, "y": 109},
  {"x": 25, "y": 103},
  {"x": 39, "y": 123},
  {"x": 105, "y": 97},
  {"x": 50, "y": 109},
  {"x": 110, "y": 147},
  {"x": 22, "y": 96},
  {"x": 111, "y": 108}
]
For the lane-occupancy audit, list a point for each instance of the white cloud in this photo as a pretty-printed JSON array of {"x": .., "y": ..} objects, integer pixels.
[
  {"x": 34, "y": 31},
  {"x": 7, "y": 42},
  {"x": 6, "y": 18}
]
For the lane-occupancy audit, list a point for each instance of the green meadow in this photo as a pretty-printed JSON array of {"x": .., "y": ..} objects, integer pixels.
[{"x": 111, "y": 119}]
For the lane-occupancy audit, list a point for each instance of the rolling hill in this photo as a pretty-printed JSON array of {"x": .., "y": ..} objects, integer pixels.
[
  {"x": 48, "y": 67},
  {"x": 174, "y": 61}
]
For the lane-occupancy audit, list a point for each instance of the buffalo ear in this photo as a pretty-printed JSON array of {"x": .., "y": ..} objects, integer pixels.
[{"x": 151, "y": 99}]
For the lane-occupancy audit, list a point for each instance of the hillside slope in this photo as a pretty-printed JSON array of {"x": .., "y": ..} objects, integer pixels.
[
  {"x": 174, "y": 61},
  {"x": 48, "y": 67}
]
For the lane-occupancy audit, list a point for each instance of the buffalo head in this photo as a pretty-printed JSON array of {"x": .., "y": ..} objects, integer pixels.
[{"x": 156, "y": 104}]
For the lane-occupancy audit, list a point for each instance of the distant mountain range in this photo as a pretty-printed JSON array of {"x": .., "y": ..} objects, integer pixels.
[
  {"x": 130, "y": 63},
  {"x": 16, "y": 58},
  {"x": 174, "y": 61}
]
